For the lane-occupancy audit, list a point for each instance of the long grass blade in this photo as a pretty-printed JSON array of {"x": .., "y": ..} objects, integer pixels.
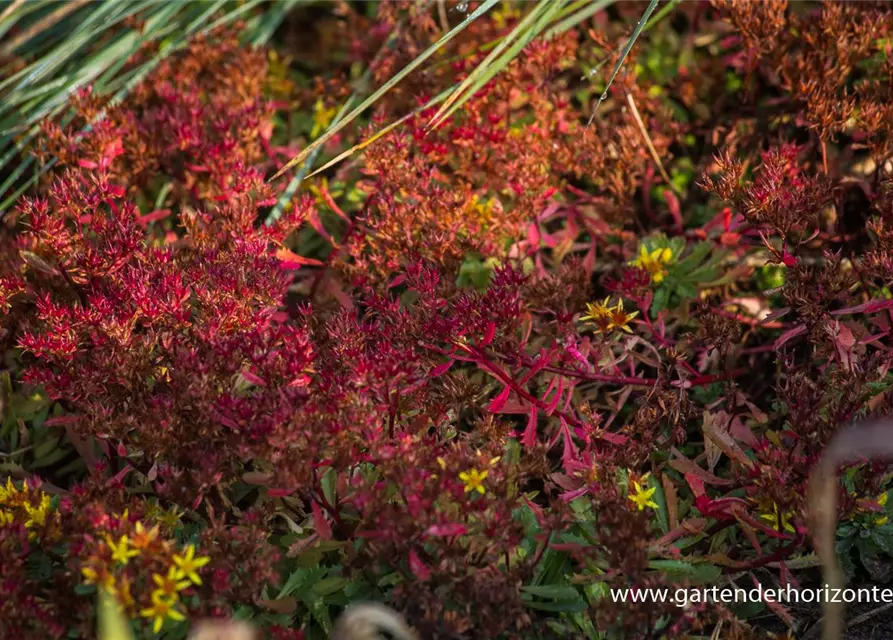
[
  {"x": 521, "y": 31},
  {"x": 387, "y": 86},
  {"x": 571, "y": 21},
  {"x": 623, "y": 55},
  {"x": 42, "y": 25},
  {"x": 381, "y": 132},
  {"x": 31, "y": 100}
]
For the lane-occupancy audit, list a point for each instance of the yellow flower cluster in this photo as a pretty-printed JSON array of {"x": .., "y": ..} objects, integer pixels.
[
  {"x": 29, "y": 506},
  {"x": 607, "y": 318},
  {"x": 654, "y": 262},
  {"x": 105, "y": 569}
]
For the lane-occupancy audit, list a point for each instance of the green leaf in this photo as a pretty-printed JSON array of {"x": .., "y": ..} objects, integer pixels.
[
  {"x": 50, "y": 459},
  {"x": 330, "y": 585},
  {"x": 553, "y": 592},
  {"x": 695, "y": 257},
  {"x": 660, "y": 300},
  {"x": 695, "y": 573},
  {"x": 301, "y": 581},
  {"x": 558, "y": 607}
]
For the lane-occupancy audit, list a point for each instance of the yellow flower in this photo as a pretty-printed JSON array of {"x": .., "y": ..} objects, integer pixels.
[
  {"x": 162, "y": 609},
  {"x": 474, "y": 480},
  {"x": 654, "y": 262},
  {"x": 120, "y": 551},
  {"x": 100, "y": 577},
  {"x": 642, "y": 497},
  {"x": 599, "y": 313},
  {"x": 322, "y": 116},
  {"x": 125, "y": 597},
  {"x": 188, "y": 564},
  {"x": 8, "y": 492},
  {"x": 37, "y": 516},
  {"x": 170, "y": 584},
  {"x": 620, "y": 319},
  {"x": 780, "y": 521},
  {"x": 606, "y": 318},
  {"x": 142, "y": 537},
  {"x": 6, "y": 517}
]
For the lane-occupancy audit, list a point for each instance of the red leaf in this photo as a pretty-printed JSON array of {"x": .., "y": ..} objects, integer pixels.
[
  {"x": 529, "y": 437},
  {"x": 685, "y": 466},
  {"x": 868, "y": 307},
  {"x": 118, "y": 478},
  {"x": 254, "y": 379},
  {"x": 499, "y": 401},
  {"x": 441, "y": 369},
  {"x": 396, "y": 282},
  {"x": 570, "y": 453},
  {"x": 419, "y": 569},
  {"x": 320, "y": 523},
  {"x": 488, "y": 335},
  {"x": 696, "y": 484},
  {"x": 316, "y": 223},
  {"x": 788, "y": 335},
  {"x": 291, "y": 260},
  {"x": 154, "y": 216},
  {"x": 773, "y": 604},
  {"x": 446, "y": 530},
  {"x": 613, "y": 438},
  {"x": 553, "y": 403}
]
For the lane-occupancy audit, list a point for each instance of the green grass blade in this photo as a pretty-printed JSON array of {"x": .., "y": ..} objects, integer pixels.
[
  {"x": 107, "y": 15},
  {"x": 381, "y": 132},
  {"x": 571, "y": 21},
  {"x": 387, "y": 86},
  {"x": 520, "y": 32},
  {"x": 543, "y": 13},
  {"x": 270, "y": 21},
  {"x": 623, "y": 55}
]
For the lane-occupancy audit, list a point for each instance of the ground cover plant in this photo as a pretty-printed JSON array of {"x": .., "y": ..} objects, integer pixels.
[{"x": 556, "y": 313}]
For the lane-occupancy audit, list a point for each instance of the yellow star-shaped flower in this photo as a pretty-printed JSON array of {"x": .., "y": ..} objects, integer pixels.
[
  {"x": 642, "y": 497},
  {"x": 188, "y": 564},
  {"x": 474, "y": 480}
]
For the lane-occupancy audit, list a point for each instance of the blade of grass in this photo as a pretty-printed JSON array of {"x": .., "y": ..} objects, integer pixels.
[
  {"x": 270, "y": 21},
  {"x": 387, "y": 86},
  {"x": 197, "y": 21},
  {"x": 114, "y": 53},
  {"x": 296, "y": 180},
  {"x": 654, "y": 155},
  {"x": 9, "y": 17},
  {"x": 626, "y": 49},
  {"x": 589, "y": 10},
  {"x": 41, "y": 25},
  {"x": 521, "y": 31},
  {"x": 107, "y": 14},
  {"x": 544, "y": 18},
  {"x": 381, "y": 132}
]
